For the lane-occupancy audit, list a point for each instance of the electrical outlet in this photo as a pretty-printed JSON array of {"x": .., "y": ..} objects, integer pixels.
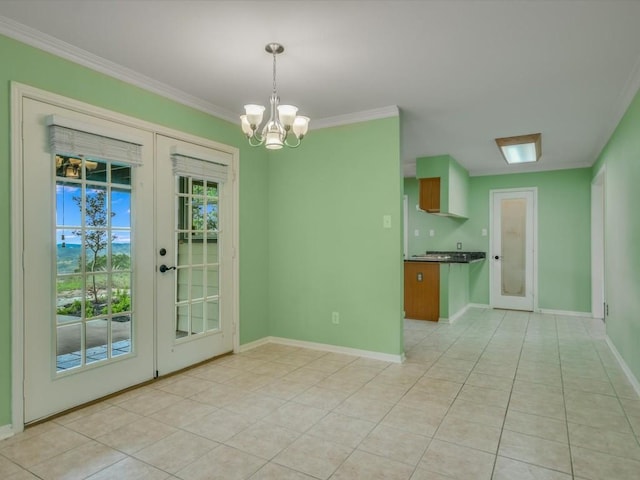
[
  {"x": 459, "y": 245},
  {"x": 335, "y": 318},
  {"x": 432, "y": 232},
  {"x": 416, "y": 232}
]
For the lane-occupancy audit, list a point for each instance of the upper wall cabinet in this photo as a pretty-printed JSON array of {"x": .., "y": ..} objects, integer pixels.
[
  {"x": 430, "y": 194},
  {"x": 443, "y": 177}
]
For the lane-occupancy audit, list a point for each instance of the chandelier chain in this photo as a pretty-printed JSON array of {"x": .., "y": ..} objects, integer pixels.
[{"x": 274, "y": 73}]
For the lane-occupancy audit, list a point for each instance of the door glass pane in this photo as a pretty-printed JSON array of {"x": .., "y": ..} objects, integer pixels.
[
  {"x": 120, "y": 293},
  {"x": 212, "y": 281},
  {"x": 68, "y": 196},
  {"x": 97, "y": 340},
  {"x": 69, "y": 346},
  {"x": 213, "y": 315},
  {"x": 97, "y": 295},
  {"x": 513, "y": 238},
  {"x": 120, "y": 334},
  {"x": 197, "y": 317},
  {"x": 184, "y": 249},
  {"x": 96, "y": 170},
  {"x": 93, "y": 238},
  {"x": 121, "y": 174},
  {"x": 197, "y": 285},
  {"x": 197, "y": 282},
  {"x": 182, "y": 321},
  {"x": 68, "y": 299},
  {"x": 182, "y": 286},
  {"x": 121, "y": 205},
  {"x": 197, "y": 211}
]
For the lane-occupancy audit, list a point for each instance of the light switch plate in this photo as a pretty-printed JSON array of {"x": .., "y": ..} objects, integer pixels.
[{"x": 386, "y": 221}]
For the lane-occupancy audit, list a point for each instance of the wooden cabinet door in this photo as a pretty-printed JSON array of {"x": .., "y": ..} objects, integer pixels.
[
  {"x": 430, "y": 194},
  {"x": 422, "y": 291}
]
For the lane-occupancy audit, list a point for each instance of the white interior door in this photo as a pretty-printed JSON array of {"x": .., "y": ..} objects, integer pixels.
[
  {"x": 512, "y": 249},
  {"x": 87, "y": 266},
  {"x": 195, "y": 255}
]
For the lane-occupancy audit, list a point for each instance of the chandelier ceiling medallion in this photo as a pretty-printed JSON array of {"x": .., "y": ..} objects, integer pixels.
[{"x": 276, "y": 132}]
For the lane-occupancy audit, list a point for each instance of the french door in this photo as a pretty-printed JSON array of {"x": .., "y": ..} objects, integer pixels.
[
  {"x": 88, "y": 301},
  {"x": 512, "y": 249},
  {"x": 194, "y": 257},
  {"x": 128, "y": 241}
]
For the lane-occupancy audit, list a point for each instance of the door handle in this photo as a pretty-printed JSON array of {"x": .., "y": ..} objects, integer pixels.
[
  {"x": 164, "y": 268},
  {"x": 497, "y": 257}
]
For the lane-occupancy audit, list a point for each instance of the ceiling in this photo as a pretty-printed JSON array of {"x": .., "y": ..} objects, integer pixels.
[{"x": 462, "y": 72}]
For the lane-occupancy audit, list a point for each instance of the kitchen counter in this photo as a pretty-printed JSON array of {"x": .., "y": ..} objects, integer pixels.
[{"x": 448, "y": 257}]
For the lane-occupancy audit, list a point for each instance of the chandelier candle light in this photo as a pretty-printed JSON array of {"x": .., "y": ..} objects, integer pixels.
[{"x": 276, "y": 131}]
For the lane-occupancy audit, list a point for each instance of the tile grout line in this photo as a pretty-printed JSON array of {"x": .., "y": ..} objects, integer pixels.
[
  {"x": 504, "y": 419},
  {"x": 564, "y": 401}
]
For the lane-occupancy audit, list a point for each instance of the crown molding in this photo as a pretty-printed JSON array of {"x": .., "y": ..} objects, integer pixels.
[
  {"x": 508, "y": 169},
  {"x": 364, "y": 116},
  {"x": 47, "y": 43}
]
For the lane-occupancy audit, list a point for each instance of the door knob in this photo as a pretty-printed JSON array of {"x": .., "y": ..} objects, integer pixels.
[
  {"x": 164, "y": 268},
  {"x": 497, "y": 257}
]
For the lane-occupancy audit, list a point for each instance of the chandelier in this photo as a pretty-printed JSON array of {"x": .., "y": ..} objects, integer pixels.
[{"x": 276, "y": 132}]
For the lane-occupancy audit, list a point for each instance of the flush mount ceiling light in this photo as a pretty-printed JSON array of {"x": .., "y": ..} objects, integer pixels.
[
  {"x": 520, "y": 149},
  {"x": 276, "y": 131}
]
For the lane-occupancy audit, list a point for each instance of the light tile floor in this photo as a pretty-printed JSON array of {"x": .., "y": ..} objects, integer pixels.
[{"x": 497, "y": 395}]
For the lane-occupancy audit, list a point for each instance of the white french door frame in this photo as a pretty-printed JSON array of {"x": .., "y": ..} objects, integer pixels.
[
  {"x": 534, "y": 258},
  {"x": 21, "y": 91}
]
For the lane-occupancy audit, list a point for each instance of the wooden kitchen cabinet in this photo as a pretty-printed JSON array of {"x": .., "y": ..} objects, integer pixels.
[
  {"x": 430, "y": 194},
  {"x": 422, "y": 290}
]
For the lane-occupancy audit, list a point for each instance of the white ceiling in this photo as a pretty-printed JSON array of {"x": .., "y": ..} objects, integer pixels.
[{"x": 462, "y": 72}]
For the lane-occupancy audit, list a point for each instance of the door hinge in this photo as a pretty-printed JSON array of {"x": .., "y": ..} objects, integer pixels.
[
  {"x": 157, "y": 374},
  {"x": 606, "y": 309}
]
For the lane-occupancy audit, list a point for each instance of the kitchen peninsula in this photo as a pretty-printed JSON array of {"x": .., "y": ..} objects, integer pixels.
[{"x": 436, "y": 284}]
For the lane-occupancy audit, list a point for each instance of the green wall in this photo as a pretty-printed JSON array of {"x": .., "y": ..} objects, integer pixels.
[
  {"x": 328, "y": 250},
  {"x": 564, "y": 223},
  {"x": 28, "y": 65},
  {"x": 621, "y": 159}
]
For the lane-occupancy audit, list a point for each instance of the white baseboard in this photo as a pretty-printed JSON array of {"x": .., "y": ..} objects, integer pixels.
[
  {"x": 455, "y": 316},
  {"x": 385, "y": 357},
  {"x": 6, "y": 431},
  {"x": 566, "y": 313},
  {"x": 625, "y": 368},
  {"x": 479, "y": 305},
  {"x": 251, "y": 345}
]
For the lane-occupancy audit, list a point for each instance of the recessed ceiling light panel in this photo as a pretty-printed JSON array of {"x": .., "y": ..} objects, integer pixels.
[{"x": 521, "y": 149}]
